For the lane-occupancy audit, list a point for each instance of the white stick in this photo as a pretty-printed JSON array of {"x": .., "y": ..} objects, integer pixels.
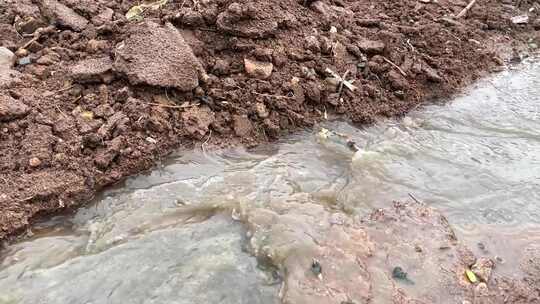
[{"x": 466, "y": 9}]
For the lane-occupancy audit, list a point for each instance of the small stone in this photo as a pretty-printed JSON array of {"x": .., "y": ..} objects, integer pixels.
[
  {"x": 313, "y": 44},
  {"x": 94, "y": 45},
  {"x": 21, "y": 53},
  {"x": 34, "y": 162},
  {"x": 7, "y": 58},
  {"x": 261, "y": 110},
  {"x": 258, "y": 69},
  {"x": 371, "y": 47}
]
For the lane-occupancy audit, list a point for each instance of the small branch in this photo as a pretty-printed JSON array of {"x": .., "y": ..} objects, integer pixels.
[
  {"x": 396, "y": 66},
  {"x": 269, "y": 95},
  {"x": 414, "y": 198},
  {"x": 170, "y": 106},
  {"x": 466, "y": 9}
]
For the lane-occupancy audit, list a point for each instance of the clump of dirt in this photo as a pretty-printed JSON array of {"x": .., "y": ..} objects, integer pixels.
[{"x": 91, "y": 97}]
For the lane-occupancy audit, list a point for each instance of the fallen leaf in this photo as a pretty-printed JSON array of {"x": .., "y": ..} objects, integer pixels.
[{"x": 471, "y": 276}]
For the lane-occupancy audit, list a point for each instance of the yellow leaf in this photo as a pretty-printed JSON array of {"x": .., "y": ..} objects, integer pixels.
[
  {"x": 87, "y": 115},
  {"x": 471, "y": 276},
  {"x": 134, "y": 13}
]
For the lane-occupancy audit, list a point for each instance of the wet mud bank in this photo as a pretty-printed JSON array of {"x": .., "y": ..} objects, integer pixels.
[
  {"x": 88, "y": 97},
  {"x": 407, "y": 253}
]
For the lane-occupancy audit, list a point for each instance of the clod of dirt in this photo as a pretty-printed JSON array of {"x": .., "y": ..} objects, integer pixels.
[
  {"x": 197, "y": 120},
  {"x": 92, "y": 70},
  {"x": 103, "y": 17},
  {"x": 106, "y": 156},
  {"x": 63, "y": 16},
  {"x": 242, "y": 125},
  {"x": 7, "y": 58},
  {"x": 313, "y": 44},
  {"x": 158, "y": 56},
  {"x": 9, "y": 78},
  {"x": 398, "y": 81},
  {"x": 235, "y": 21},
  {"x": 431, "y": 74},
  {"x": 371, "y": 47},
  {"x": 11, "y": 108},
  {"x": 258, "y": 69},
  {"x": 482, "y": 268}
]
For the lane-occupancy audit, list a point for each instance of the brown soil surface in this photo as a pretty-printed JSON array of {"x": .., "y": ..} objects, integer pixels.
[{"x": 93, "y": 98}]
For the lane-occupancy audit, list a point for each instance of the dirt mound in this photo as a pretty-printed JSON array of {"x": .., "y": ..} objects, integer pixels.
[{"x": 97, "y": 97}]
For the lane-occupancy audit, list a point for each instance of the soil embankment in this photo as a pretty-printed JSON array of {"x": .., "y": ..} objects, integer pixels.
[{"x": 88, "y": 97}]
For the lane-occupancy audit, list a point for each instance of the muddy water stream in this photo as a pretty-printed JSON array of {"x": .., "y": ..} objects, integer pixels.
[{"x": 196, "y": 230}]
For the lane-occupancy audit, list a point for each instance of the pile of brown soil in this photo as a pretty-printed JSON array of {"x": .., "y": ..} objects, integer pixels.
[{"x": 92, "y": 97}]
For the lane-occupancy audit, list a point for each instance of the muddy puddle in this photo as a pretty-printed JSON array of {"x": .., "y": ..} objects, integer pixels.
[{"x": 307, "y": 220}]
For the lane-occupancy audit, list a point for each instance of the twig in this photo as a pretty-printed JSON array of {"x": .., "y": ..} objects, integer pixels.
[
  {"x": 62, "y": 113},
  {"x": 64, "y": 89},
  {"x": 269, "y": 95},
  {"x": 37, "y": 34},
  {"x": 395, "y": 65},
  {"x": 170, "y": 106},
  {"x": 206, "y": 141},
  {"x": 342, "y": 82},
  {"x": 414, "y": 198},
  {"x": 348, "y": 84},
  {"x": 466, "y": 9},
  {"x": 410, "y": 45}
]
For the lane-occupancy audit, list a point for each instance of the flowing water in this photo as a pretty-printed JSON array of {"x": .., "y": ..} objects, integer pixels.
[{"x": 176, "y": 235}]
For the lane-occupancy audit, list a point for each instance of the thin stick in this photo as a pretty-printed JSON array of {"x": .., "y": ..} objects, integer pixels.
[
  {"x": 169, "y": 106},
  {"x": 342, "y": 82},
  {"x": 395, "y": 65},
  {"x": 414, "y": 198},
  {"x": 466, "y": 9},
  {"x": 65, "y": 89},
  {"x": 206, "y": 142},
  {"x": 269, "y": 95}
]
